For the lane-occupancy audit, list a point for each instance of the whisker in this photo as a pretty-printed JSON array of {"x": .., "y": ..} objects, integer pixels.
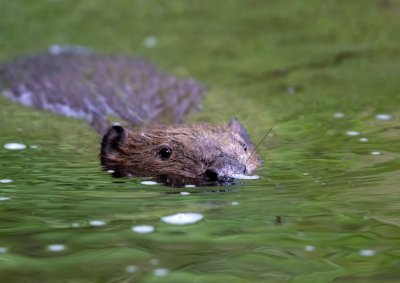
[{"x": 259, "y": 144}]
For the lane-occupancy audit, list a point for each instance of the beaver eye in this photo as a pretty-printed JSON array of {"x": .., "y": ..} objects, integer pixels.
[
  {"x": 245, "y": 147},
  {"x": 165, "y": 152}
]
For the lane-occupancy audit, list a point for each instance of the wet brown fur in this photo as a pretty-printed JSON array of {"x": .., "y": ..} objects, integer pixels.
[{"x": 197, "y": 152}]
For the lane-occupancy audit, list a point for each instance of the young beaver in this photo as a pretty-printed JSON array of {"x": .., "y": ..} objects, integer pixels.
[
  {"x": 77, "y": 82},
  {"x": 200, "y": 154}
]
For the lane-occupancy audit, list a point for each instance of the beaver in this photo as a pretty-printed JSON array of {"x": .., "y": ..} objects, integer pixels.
[
  {"x": 99, "y": 88},
  {"x": 200, "y": 154}
]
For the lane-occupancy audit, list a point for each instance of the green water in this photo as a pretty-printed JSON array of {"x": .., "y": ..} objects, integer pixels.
[{"x": 325, "y": 208}]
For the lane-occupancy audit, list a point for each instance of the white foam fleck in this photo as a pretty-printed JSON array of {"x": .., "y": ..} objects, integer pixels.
[
  {"x": 363, "y": 139},
  {"x": 97, "y": 222},
  {"x": 3, "y": 250},
  {"x": 245, "y": 177},
  {"x": 161, "y": 272},
  {"x": 376, "y": 153},
  {"x": 6, "y": 181},
  {"x": 190, "y": 186},
  {"x": 131, "y": 268},
  {"x": 14, "y": 146},
  {"x": 185, "y": 193},
  {"x": 309, "y": 248},
  {"x": 352, "y": 133},
  {"x": 33, "y": 146},
  {"x": 56, "y": 248},
  {"x": 4, "y": 198},
  {"x": 182, "y": 218},
  {"x": 306, "y": 174},
  {"x": 234, "y": 203},
  {"x": 339, "y": 115},
  {"x": 150, "y": 41},
  {"x": 110, "y": 171},
  {"x": 367, "y": 252},
  {"x": 149, "y": 183},
  {"x": 143, "y": 229},
  {"x": 383, "y": 117}
]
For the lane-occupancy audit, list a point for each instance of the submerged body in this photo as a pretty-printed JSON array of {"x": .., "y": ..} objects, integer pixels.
[{"x": 200, "y": 154}]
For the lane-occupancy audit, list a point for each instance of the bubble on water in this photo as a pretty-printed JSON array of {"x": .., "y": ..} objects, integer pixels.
[
  {"x": 131, "y": 268},
  {"x": 309, "y": 248},
  {"x": 363, "y": 139},
  {"x": 97, "y": 222},
  {"x": 383, "y": 117},
  {"x": 56, "y": 248},
  {"x": 4, "y": 198},
  {"x": 143, "y": 229},
  {"x": 245, "y": 177},
  {"x": 150, "y": 41},
  {"x": 3, "y": 250},
  {"x": 376, "y": 153},
  {"x": 161, "y": 272},
  {"x": 367, "y": 252},
  {"x": 338, "y": 115},
  {"x": 14, "y": 146},
  {"x": 190, "y": 186},
  {"x": 33, "y": 146},
  {"x": 182, "y": 218},
  {"x": 6, "y": 181},
  {"x": 185, "y": 193},
  {"x": 149, "y": 183},
  {"x": 234, "y": 203},
  {"x": 352, "y": 133}
]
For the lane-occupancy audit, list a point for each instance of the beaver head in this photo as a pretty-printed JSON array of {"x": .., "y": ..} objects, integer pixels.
[{"x": 200, "y": 154}]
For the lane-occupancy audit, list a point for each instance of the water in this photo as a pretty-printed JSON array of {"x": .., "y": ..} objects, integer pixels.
[{"x": 326, "y": 205}]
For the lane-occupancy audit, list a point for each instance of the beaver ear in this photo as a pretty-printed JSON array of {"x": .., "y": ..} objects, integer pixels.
[
  {"x": 236, "y": 127},
  {"x": 111, "y": 150}
]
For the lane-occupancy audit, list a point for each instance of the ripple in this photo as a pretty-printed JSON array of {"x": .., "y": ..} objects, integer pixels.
[
  {"x": 14, "y": 146},
  {"x": 182, "y": 218},
  {"x": 143, "y": 229}
]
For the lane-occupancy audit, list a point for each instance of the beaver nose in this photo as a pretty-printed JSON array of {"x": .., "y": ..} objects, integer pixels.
[{"x": 211, "y": 175}]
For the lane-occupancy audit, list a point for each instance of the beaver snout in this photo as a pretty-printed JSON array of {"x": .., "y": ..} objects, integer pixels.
[{"x": 224, "y": 171}]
